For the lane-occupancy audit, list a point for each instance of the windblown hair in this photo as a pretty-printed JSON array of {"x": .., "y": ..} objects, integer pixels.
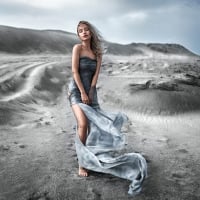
[{"x": 96, "y": 38}]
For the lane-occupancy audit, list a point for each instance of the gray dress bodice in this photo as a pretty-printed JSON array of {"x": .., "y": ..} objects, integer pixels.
[{"x": 87, "y": 69}]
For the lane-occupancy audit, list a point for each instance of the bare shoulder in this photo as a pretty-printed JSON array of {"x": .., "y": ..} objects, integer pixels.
[
  {"x": 76, "y": 50},
  {"x": 77, "y": 47}
]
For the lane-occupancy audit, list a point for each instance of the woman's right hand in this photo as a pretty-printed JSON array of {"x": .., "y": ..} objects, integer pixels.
[{"x": 84, "y": 98}]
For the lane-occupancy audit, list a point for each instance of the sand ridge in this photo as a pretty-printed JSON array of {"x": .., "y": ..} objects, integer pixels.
[{"x": 37, "y": 152}]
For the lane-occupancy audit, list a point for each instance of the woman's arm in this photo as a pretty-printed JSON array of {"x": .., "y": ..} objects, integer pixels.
[
  {"x": 94, "y": 80},
  {"x": 96, "y": 75},
  {"x": 75, "y": 72}
]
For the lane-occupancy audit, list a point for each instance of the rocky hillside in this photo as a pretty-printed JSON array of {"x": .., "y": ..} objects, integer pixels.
[{"x": 30, "y": 41}]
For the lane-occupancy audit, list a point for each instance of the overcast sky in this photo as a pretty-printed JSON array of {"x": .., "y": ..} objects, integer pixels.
[{"x": 121, "y": 21}]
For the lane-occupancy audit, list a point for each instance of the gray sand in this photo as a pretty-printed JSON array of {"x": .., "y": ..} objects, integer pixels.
[{"x": 37, "y": 153}]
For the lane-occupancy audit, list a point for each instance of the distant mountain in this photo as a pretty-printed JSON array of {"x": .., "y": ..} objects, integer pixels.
[
  {"x": 148, "y": 49},
  {"x": 28, "y": 41},
  {"x": 20, "y": 41}
]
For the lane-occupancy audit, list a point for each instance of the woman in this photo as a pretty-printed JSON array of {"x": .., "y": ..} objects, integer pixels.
[{"x": 98, "y": 137}]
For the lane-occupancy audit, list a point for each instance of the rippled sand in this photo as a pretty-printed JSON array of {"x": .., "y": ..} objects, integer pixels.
[{"x": 37, "y": 154}]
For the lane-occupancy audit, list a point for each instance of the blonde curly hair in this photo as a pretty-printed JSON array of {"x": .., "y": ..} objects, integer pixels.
[{"x": 96, "y": 38}]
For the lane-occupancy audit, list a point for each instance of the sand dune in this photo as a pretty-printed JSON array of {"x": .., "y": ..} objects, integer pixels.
[
  {"x": 34, "y": 76},
  {"x": 29, "y": 41},
  {"x": 30, "y": 84},
  {"x": 159, "y": 94}
]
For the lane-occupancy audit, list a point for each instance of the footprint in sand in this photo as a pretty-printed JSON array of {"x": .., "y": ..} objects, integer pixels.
[
  {"x": 182, "y": 177},
  {"x": 39, "y": 196},
  {"x": 74, "y": 155},
  {"x": 144, "y": 140},
  {"x": 179, "y": 174},
  {"x": 163, "y": 139},
  {"x": 22, "y": 146},
  {"x": 93, "y": 193},
  {"x": 63, "y": 131},
  {"x": 184, "y": 151},
  {"x": 70, "y": 144},
  {"x": 4, "y": 147}
]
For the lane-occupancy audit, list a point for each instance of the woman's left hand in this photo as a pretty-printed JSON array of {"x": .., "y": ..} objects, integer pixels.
[{"x": 85, "y": 98}]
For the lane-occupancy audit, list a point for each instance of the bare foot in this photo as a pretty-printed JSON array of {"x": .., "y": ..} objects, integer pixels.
[{"x": 82, "y": 172}]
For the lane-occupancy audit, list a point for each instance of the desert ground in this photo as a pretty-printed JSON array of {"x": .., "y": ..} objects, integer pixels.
[{"x": 160, "y": 95}]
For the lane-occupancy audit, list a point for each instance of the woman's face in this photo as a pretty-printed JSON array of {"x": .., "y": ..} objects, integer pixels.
[{"x": 84, "y": 32}]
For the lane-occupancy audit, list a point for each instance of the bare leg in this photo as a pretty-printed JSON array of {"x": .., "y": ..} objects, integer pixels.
[{"x": 82, "y": 131}]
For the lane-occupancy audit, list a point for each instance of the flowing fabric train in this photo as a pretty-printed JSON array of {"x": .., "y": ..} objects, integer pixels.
[{"x": 103, "y": 145}]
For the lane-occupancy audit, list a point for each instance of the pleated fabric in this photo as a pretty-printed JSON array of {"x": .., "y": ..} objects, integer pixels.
[{"x": 101, "y": 153}]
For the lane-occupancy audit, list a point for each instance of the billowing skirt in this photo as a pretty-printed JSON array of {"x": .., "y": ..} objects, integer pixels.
[{"x": 104, "y": 142}]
